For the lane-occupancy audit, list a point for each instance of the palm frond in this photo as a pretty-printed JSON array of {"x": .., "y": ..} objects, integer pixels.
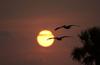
[
  {"x": 88, "y": 60},
  {"x": 78, "y": 53}
]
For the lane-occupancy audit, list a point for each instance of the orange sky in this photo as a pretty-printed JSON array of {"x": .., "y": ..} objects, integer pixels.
[{"x": 22, "y": 20}]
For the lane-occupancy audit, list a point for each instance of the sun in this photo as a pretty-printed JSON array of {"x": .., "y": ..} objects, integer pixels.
[{"x": 43, "y": 36}]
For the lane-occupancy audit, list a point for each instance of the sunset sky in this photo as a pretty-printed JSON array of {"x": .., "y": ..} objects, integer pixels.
[{"x": 22, "y": 20}]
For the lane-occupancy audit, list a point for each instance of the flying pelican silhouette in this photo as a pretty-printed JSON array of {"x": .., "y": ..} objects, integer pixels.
[
  {"x": 65, "y": 26},
  {"x": 59, "y": 38}
]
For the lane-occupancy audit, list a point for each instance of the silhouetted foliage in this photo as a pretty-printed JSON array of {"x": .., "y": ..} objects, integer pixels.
[{"x": 89, "y": 53}]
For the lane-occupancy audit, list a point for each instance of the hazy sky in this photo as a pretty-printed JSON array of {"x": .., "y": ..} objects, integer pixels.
[{"x": 22, "y": 20}]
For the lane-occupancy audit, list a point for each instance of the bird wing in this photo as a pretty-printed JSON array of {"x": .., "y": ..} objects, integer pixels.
[
  {"x": 58, "y": 28},
  {"x": 65, "y": 36},
  {"x": 74, "y": 25},
  {"x": 50, "y": 38}
]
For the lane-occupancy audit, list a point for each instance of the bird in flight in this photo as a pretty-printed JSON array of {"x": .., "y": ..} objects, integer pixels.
[
  {"x": 59, "y": 38},
  {"x": 65, "y": 26}
]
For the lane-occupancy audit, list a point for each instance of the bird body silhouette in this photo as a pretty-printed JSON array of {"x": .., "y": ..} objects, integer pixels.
[
  {"x": 59, "y": 38},
  {"x": 66, "y": 27}
]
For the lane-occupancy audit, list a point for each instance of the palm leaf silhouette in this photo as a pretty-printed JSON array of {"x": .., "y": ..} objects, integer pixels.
[{"x": 89, "y": 53}]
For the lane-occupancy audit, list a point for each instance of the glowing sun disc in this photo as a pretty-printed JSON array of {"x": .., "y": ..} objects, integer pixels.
[{"x": 43, "y": 36}]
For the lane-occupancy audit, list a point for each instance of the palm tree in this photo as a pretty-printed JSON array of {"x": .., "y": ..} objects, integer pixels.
[{"x": 89, "y": 53}]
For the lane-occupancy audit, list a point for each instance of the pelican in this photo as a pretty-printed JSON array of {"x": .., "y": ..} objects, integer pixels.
[
  {"x": 59, "y": 38},
  {"x": 66, "y": 27}
]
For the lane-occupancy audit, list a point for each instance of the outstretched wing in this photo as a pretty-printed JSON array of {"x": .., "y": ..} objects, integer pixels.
[
  {"x": 50, "y": 38},
  {"x": 58, "y": 28},
  {"x": 74, "y": 25},
  {"x": 65, "y": 36}
]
